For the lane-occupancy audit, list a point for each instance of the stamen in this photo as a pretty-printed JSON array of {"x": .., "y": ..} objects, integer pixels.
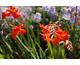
[
  {"x": 55, "y": 14},
  {"x": 36, "y": 18},
  {"x": 38, "y": 13},
  {"x": 48, "y": 8},
  {"x": 51, "y": 12},
  {"x": 64, "y": 8},
  {"x": 66, "y": 16},
  {"x": 69, "y": 9}
]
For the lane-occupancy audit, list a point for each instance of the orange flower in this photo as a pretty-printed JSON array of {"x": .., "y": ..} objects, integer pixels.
[
  {"x": 41, "y": 25},
  {"x": 4, "y": 14},
  {"x": 61, "y": 34},
  {"x": 45, "y": 29},
  {"x": 45, "y": 37},
  {"x": 53, "y": 33},
  {"x": 12, "y": 11},
  {"x": 54, "y": 41},
  {"x": 58, "y": 30},
  {"x": 18, "y": 29}
]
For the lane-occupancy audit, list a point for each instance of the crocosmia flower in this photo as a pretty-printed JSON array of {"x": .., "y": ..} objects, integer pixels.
[
  {"x": 4, "y": 14},
  {"x": 18, "y": 30},
  {"x": 52, "y": 33},
  {"x": 10, "y": 11}
]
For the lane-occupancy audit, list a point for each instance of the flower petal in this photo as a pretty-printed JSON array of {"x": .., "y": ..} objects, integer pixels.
[
  {"x": 22, "y": 31},
  {"x": 8, "y": 14},
  {"x": 12, "y": 7},
  {"x": 41, "y": 25},
  {"x": 78, "y": 23},
  {"x": 20, "y": 25},
  {"x": 13, "y": 30},
  {"x": 14, "y": 34}
]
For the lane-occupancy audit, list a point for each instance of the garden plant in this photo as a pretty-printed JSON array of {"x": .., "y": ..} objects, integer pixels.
[{"x": 39, "y": 32}]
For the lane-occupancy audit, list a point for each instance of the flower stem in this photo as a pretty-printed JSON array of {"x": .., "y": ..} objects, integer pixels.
[{"x": 50, "y": 48}]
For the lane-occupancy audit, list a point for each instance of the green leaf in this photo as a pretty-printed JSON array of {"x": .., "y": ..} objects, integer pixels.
[{"x": 1, "y": 57}]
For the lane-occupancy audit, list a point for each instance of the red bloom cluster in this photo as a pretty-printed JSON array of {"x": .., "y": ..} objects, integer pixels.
[
  {"x": 53, "y": 33},
  {"x": 10, "y": 11},
  {"x": 18, "y": 29}
]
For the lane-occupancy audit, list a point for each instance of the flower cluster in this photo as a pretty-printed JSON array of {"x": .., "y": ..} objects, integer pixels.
[
  {"x": 51, "y": 11},
  {"x": 71, "y": 13},
  {"x": 12, "y": 12},
  {"x": 53, "y": 33}
]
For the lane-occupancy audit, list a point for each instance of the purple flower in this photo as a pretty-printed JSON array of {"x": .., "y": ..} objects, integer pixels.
[
  {"x": 47, "y": 8},
  {"x": 37, "y": 17},
  {"x": 53, "y": 8},
  {"x": 3, "y": 24},
  {"x": 31, "y": 26},
  {"x": 72, "y": 20},
  {"x": 11, "y": 18},
  {"x": 3, "y": 9},
  {"x": 66, "y": 16},
  {"x": 32, "y": 16},
  {"x": 69, "y": 9},
  {"x": 64, "y": 10},
  {"x": 1, "y": 32},
  {"x": 46, "y": 19},
  {"x": 29, "y": 9},
  {"x": 24, "y": 15},
  {"x": 74, "y": 9},
  {"x": 39, "y": 9},
  {"x": 22, "y": 6},
  {"x": 52, "y": 13}
]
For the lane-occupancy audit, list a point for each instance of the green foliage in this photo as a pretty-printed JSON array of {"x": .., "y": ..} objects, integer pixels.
[{"x": 31, "y": 46}]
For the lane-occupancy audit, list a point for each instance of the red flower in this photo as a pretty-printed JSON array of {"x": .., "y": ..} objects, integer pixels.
[
  {"x": 58, "y": 30},
  {"x": 63, "y": 36},
  {"x": 54, "y": 41},
  {"x": 41, "y": 25},
  {"x": 4, "y": 14},
  {"x": 12, "y": 11},
  {"x": 45, "y": 37},
  {"x": 18, "y": 29},
  {"x": 45, "y": 29},
  {"x": 53, "y": 33}
]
